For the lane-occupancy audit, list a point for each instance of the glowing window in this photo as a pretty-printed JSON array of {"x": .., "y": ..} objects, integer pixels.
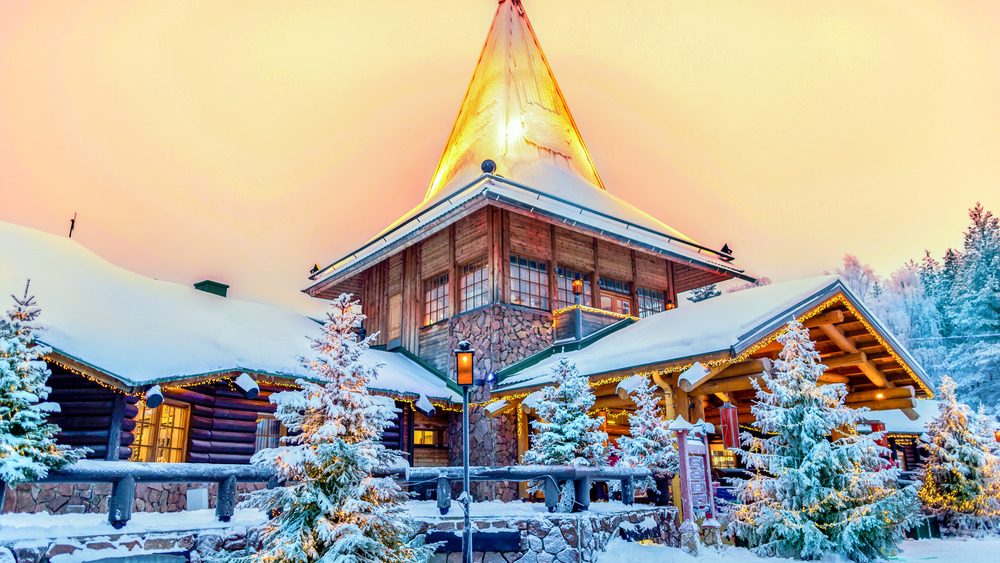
[
  {"x": 435, "y": 299},
  {"x": 474, "y": 285},
  {"x": 650, "y": 301},
  {"x": 529, "y": 282},
  {"x": 269, "y": 432},
  {"x": 161, "y": 434},
  {"x": 721, "y": 457},
  {"x": 426, "y": 438},
  {"x": 564, "y": 285}
]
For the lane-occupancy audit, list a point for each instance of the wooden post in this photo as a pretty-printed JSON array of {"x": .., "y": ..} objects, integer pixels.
[
  {"x": 551, "y": 493},
  {"x": 581, "y": 489},
  {"x": 443, "y": 495},
  {"x": 522, "y": 446},
  {"x": 595, "y": 283},
  {"x": 225, "y": 504},
  {"x": 628, "y": 491},
  {"x": 115, "y": 430},
  {"x": 120, "y": 504}
]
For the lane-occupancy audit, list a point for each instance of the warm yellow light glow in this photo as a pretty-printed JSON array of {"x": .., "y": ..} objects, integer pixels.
[{"x": 513, "y": 111}]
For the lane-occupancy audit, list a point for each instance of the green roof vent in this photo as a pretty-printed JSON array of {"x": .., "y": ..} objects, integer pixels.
[{"x": 213, "y": 287}]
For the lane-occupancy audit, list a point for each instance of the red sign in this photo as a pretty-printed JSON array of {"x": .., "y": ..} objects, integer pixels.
[
  {"x": 880, "y": 427},
  {"x": 730, "y": 427}
]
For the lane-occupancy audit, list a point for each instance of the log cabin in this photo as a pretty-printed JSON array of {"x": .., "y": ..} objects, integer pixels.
[{"x": 516, "y": 212}]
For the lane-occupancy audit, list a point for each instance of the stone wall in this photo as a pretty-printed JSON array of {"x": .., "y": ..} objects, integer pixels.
[
  {"x": 194, "y": 546},
  {"x": 83, "y": 498},
  {"x": 563, "y": 538},
  {"x": 501, "y": 335}
]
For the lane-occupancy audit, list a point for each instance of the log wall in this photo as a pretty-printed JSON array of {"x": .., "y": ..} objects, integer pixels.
[
  {"x": 88, "y": 418},
  {"x": 223, "y": 422}
]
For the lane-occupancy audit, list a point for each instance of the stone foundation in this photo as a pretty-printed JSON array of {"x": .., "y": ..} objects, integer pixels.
[
  {"x": 563, "y": 538},
  {"x": 193, "y": 546},
  {"x": 80, "y": 498}
]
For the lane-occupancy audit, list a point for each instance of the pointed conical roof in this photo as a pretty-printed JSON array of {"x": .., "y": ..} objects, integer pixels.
[{"x": 513, "y": 112}]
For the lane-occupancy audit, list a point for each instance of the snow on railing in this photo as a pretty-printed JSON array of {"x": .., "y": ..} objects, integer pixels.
[
  {"x": 124, "y": 475},
  {"x": 550, "y": 475}
]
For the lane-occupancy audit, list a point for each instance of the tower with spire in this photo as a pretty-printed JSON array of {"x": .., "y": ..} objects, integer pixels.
[{"x": 515, "y": 213}]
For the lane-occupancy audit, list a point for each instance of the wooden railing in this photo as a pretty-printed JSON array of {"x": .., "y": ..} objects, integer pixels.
[
  {"x": 550, "y": 475},
  {"x": 123, "y": 477}
]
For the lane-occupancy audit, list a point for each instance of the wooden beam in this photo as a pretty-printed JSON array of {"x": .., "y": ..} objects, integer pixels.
[
  {"x": 827, "y": 378},
  {"x": 886, "y": 404},
  {"x": 873, "y": 373},
  {"x": 881, "y": 394},
  {"x": 613, "y": 402},
  {"x": 726, "y": 385},
  {"x": 845, "y": 360},
  {"x": 686, "y": 385},
  {"x": 838, "y": 338},
  {"x": 748, "y": 367},
  {"x": 828, "y": 318},
  {"x": 724, "y": 397}
]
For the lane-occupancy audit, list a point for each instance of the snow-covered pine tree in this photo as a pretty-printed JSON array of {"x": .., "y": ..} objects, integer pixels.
[
  {"x": 331, "y": 507},
  {"x": 651, "y": 444},
  {"x": 960, "y": 477},
  {"x": 812, "y": 495},
  {"x": 28, "y": 449},
  {"x": 565, "y": 433},
  {"x": 703, "y": 293}
]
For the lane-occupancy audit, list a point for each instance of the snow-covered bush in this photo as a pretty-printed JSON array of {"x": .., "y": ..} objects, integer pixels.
[
  {"x": 331, "y": 507},
  {"x": 28, "y": 449},
  {"x": 813, "y": 495},
  {"x": 960, "y": 478},
  {"x": 565, "y": 433},
  {"x": 652, "y": 444}
]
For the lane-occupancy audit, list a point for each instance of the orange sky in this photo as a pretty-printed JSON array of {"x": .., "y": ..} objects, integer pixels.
[{"x": 244, "y": 141}]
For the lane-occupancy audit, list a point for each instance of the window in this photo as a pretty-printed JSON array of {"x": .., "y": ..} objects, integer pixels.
[
  {"x": 161, "y": 433},
  {"x": 650, "y": 301},
  {"x": 615, "y": 296},
  {"x": 529, "y": 282},
  {"x": 722, "y": 458},
  {"x": 436, "y": 299},
  {"x": 564, "y": 284},
  {"x": 474, "y": 285},
  {"x": 269, "y": 432},
  {"x": 427, "y": 438}
]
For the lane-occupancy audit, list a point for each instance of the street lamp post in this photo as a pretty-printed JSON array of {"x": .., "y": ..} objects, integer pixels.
[{"x": 464, "y": 377}]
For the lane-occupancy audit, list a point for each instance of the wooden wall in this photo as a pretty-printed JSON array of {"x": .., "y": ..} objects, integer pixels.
[
  {"x": 496, "y": 233},
  {"x": 86, "y": 415},
  {"x": 223, "y": 422}
]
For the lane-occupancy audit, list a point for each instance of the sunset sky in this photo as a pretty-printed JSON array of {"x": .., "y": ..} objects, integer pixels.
[{"x": 244, "y": 141}]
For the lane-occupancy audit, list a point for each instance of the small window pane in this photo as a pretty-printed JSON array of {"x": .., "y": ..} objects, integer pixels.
[
  {"x": 529, "y": 283},
  {"x": 436, "y": 299}
]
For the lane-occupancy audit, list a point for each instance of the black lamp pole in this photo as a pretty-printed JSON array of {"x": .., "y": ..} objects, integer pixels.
[{"x": 464, "y": 376}]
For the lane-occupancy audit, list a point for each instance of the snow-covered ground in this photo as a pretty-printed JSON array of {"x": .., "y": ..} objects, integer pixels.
[
  {"x": 428, "y": 509},
  {"x": 22, "y": 526},
  {"x": 957, "y": 550}
]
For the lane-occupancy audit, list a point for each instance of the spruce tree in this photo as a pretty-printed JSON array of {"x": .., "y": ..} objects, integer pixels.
[
  {"x": 813, "y": 495},
  {"x": 28, "y": 449},
  {"x": 565, "y": 433},
  {"x": 651, "y": 444},
  {"x": 703, "y": 293},
  {"x": 960, "y": 477},
  {"x": 331, "y": 508}
]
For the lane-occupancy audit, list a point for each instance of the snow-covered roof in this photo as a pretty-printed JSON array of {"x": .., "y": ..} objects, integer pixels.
[
  {"x": 540, "y": 188},
  {"x": 730, "y": 323},
  {"x": 141, "y": 331},
  {"x": 896, "y": 421}
]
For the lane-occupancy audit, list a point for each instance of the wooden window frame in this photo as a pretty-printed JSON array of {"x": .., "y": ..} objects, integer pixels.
[
  {"x": 476, "y": 273},
  {"x": 564, "y": 286},
  {"x": 282, "y": 432},
  {"x": 518, "y": 263},
  {"x": 650, "y": 301},
  {"x": 154, "y": 447},
  {"x": 436, "y": 308}
]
